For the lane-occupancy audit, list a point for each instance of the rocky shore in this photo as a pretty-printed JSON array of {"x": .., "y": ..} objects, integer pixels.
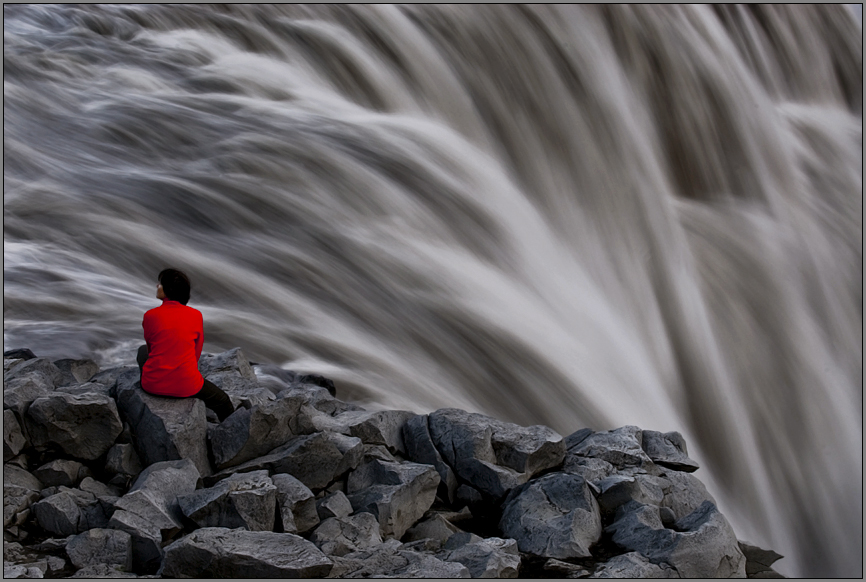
[{"x": 104, "y": 480}]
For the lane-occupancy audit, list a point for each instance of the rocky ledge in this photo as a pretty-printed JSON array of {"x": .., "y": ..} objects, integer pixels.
[{"x": 104, "y": 480}]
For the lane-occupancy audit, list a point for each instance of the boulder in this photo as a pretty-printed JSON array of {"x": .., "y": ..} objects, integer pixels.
[
  {"x": 101, "y": 546},
  {"x": 20, "y": 490},
  {"x": 633, "y": 565},
  {"x": 700, "y": 545},
  {"x": 617, "y": 490},
  {"x": 435, "y": 527},
  {"x": 75, "y": 371},
  {"x": 108, "y": 377},
  {"x": 70, "y": 511},
  {"x": 554, "y": 516},
  {"x": 19, "y": 353},
  {"x": 250, "y": 433},
  {"x": 668, "y": 450},
  {"x": 486, "y": 558},
  {"x": 231, "y": 372},
  {"x": 529, "y": 450},
  {"x": 123, "y": 460},
  {"x": 103, "y": 571},
  {"x": 12, "y": 571},
  {"x": 35, "y": 368},
  {"x": 459, "y": 435},
  {"x": 83, "y": 426},
  {"x": 335, "y": 504},
  {"x": 61, "y": 472},
  {"x": 489, "y": 478},
  {"x": 98, "y": 488},
  {"x": 389, "y": 560},
  {"x": 592, "y": 470},
  {"x": 759, "y": 561},
  {"x": 420, "y": 449},
  {"x": 564, "y": 569},
  {"x": 622, "y": 448},
  {"x": 14, "y": 440},
  {"x": 150, "y": 513},
  {"x": 246, "y": 500},
  {"x": 223, "y": 553},
  {"x": 683, "y": 493},
  {"x": 398, "y": 494},
  {"x": 296, "y": 504},
  {"x": 27, "y": 381},
  {"x": 338, "y": 536},
  {"x": 163, "y": 429}
]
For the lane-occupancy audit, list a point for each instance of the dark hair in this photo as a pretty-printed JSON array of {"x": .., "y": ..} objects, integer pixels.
[{"x": 175, "y": 285}]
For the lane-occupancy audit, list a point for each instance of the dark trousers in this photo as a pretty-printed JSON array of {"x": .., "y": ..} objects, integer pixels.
[{"x": 212, "y": 396}]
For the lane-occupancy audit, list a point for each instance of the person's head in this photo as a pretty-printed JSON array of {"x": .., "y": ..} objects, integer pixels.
[{"x": 175, "y": 285}]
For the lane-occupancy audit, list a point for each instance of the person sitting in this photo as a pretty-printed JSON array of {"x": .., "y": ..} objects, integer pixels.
[{"x": 174, "y": 337}]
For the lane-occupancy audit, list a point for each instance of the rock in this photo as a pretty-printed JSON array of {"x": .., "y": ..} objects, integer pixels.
[
  {"x": 492, "y": 480},
  {"x": 20, "y": 571},
  {"x": 231, "y": 372},
  {"x": 102, "y": 571},
  {"x": 83, "y": 426},
  {"x": 458, "y": 435},
  {"x": 224, "y": 553},
  {"x": 75, "y": 371},
  {"x": 123, "y": 460},
  {"x": 296, "y": 504},
  {"x": 617, "y": 490},
  {"x": 527, "y": 450},
  {"x": 592, "y": 470},
  {"x": 435, "y": 527},
  {"x": 98, "y": 488},
  {"x": 384, "y": 427},
  {"x": 622, "y": 448},
  {"x": 701, "y": 545},
  {"x": 488, "y": 558},
  {"x": 420, "y": 449},
  {"x": 101, "y": 546},
  {"x": 668, "y": 450},
  {"x": 334, "y": 505},
  {"x": 554, "y": 516},
  {"x": 246, "y": 500},
  {"x": 316, "y": 380},
  {"x": 684, "y": 493},
  {"x": 70, "y": 511},
  {"x": 389, "y": 560},
  {"x": 398, "y": 494},
  {"x": 338, "y": 536},
  {"x": 565, "y": 569},
  {"x": 14, "y": 440},
  {"x": 759, "y": 561},
  {"x": 231, "y": 361},
  {"x": 27, "y": 381},
  {"x": 20, "y": 490},
  {"x": 149, "y": 512},
  {"x": 61, "y": 472},
  {"x": 108, "y": 377},
  {"x": 35, "y": 368},
  {"x": 163, "y": 429},
  {"x": 352, "y": 449},
  {"x": 250, "y": 433},
  {"x": 19, "y": 353},
  {"x": 633, "y": 565}
]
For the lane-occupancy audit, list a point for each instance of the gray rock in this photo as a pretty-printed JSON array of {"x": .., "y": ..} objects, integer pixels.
[
  {"x": 20, "y": 490},
  {"x": 33, "y": 368},
  {"x": 224, "y": 553},
  {"x": 420, "y": 449},
  {"x": 592, "y": 470},
  {"x": 104, "y": 571},
  {"x": 98, "y": 488},
  {"x": 622, "y": 448},
  {"x": 527, "y": 450},
  {"x": 389, "y": 560},
  {"x": 554, "y": 516},
  {"x": 149, "y": 512},
  {"x": 458, "y": 435},
  {"x": 435, "y": 527},
  {"x": 19, "y": 354},
  {"x": 61, "y": 472},
  {"x": 233, "y": 361},
  {"x": 338, "y": 536},
  {"x": 250, "y": 433},
  {"x": 633, "y": 565},
  {"x": 668, "y": 450},
  {"x": 101, "y": 546},
  {"x": 565, "y": 569},
  {"x": 488, "y": 558},
  {"x": 352, "y": 449},
  {"x": 19, "y": 393},
  {"x": 759, "y": 561},
  {"x": 70, "y": 511},
  {"x": 296, "y": 504},
  {"x": 108, "y": 377},
  {"x": 398, "y": 494},
  {"x": 684, "y": 493},
  {"x": 617, "y": 490},
  {"x": 163, "y": 429},
  {"x": 75, "y": 371},
  {"x": 14, "y": 440},
  {"x": 491, "y": 479},
  {"x": 123, "y": 460},
  {"x": 334, "y": 505},
  {"x": 231, "y": 372},
  {"x": 86, "y": 388},
  {"x": 84, "y": 425},
  {"x": 246, "y": 500},
  {"x": 701, "y": 545}
]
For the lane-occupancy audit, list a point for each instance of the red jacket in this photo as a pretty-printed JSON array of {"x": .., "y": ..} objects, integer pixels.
[{"x": 174, "y": 337}]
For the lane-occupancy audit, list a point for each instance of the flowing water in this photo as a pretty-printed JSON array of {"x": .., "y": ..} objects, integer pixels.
[{"x": 566, "y": 215}]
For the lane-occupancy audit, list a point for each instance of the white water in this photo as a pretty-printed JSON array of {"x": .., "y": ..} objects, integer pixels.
[{"x": 573, "y": 216}]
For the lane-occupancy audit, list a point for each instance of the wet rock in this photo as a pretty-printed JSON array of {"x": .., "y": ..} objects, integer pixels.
[
  {"x": 701, "y": 545},
  {"x": 83, "y": 426},
  {"x": 684, "y": 493},
  {"x": 123, "y": 460},
  {"x": 14, "y": 440},
  {"x": 555, "y": 516},
  {"x": 250, "y": 433},
  {"x": 101, "y": 546},
  {"x": 19, "y": 353},
  {"x": 759, "y": 561},
  {"x": 622, "y": 448},
  {"x": 668, "y": 450},
  {"x": 296, "y": 504},
  {"x": 633, "y": 565},
  {"x": 75, "y": 371},
  {"x": 420, "y": 449},
  {"x": 20, "y": 490},
  {"x": 487, "y": 558},
  {"x": 224, "y": 553},
  {"x": 246, "y": 500},
  {"x": 338, "y": 536},
  {"x": 334, "y": 505},
  {"x": 398, "y": 494},
  {"x": 163, "y": 429},
  {"x": 61, "y": 472}
]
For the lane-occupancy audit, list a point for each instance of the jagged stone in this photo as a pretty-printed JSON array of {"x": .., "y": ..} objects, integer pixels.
[
  {"x": 224, "y": 553},
  {"x": 398, "y": 494},
  {"x": 565, "y": 569},
  {"x": 296, "y": 504},
  {"x": 75, "y": 371},
  {"x": 42, "y": 367},
  {"x": 98, "y": 488},
  {"x": 554, "y": 516},
  {"x": 61, "y": 472},
  {"x": 352, "y": 449},
  {"x": 123, "y": 460},
  {"x": 149, "y": 512},
  {"x": 759, "y": 561},
  {"x": 163, "y": 429},
  {"x": 108, "y": 377},
  {"x": 683, "y": 493},
  {"x": 86, "y": 388},
  {"x": 104, "y": 571},
  {"x": 338, "y": 536},
  {"x": 622, "y": 448},
  {"x": 435, "y": 527},
  {"x": 20, "y": 490},
  {"x": 389, "y": 560},
  {"x": 617, "y": 490},
  {"x": 70, "y": 511},
  {"x": 101, "y": 546},
  {"x": 231, "y": 372},
  {"x": 458, "y": 435},
  {"x": 250, "y": 433},
  {"x": 668, "y": 450},
  {"x": 527, "y": 450},
  {"x": 592, "y": 470},
  {"x": 489, "y": 478},
  {"x": 334, "y": 505},
  {"x": 83, "y": 426},
  {"x": 246, "y": 500},
  {"x": 14, "y": 440},
  {"x": 19, "y": 354},
  {"x": 633, "y": 565},
  {"x": 384, "y": 427},
  {"x": 420, "y": 449},
  {"x": 28, "y": 380},
  {"x": 487, "y": 558},
  {"x": 14, "y": 571},
  {"x": 701, "y": 545}
]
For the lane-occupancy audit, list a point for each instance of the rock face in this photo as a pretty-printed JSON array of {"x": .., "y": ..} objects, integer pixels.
[
  {"x": 250, "y": 433},
  {"x": 84, "y": 425},
  {"x": 101, "y": 546},
  {"x": 246, "y": 500},
  {"x": 296, "y": 504}
]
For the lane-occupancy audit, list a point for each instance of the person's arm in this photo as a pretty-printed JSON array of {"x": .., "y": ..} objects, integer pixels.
[
  {"x": 147, "y": 325},
  {"x": 199, "y": 342}
]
